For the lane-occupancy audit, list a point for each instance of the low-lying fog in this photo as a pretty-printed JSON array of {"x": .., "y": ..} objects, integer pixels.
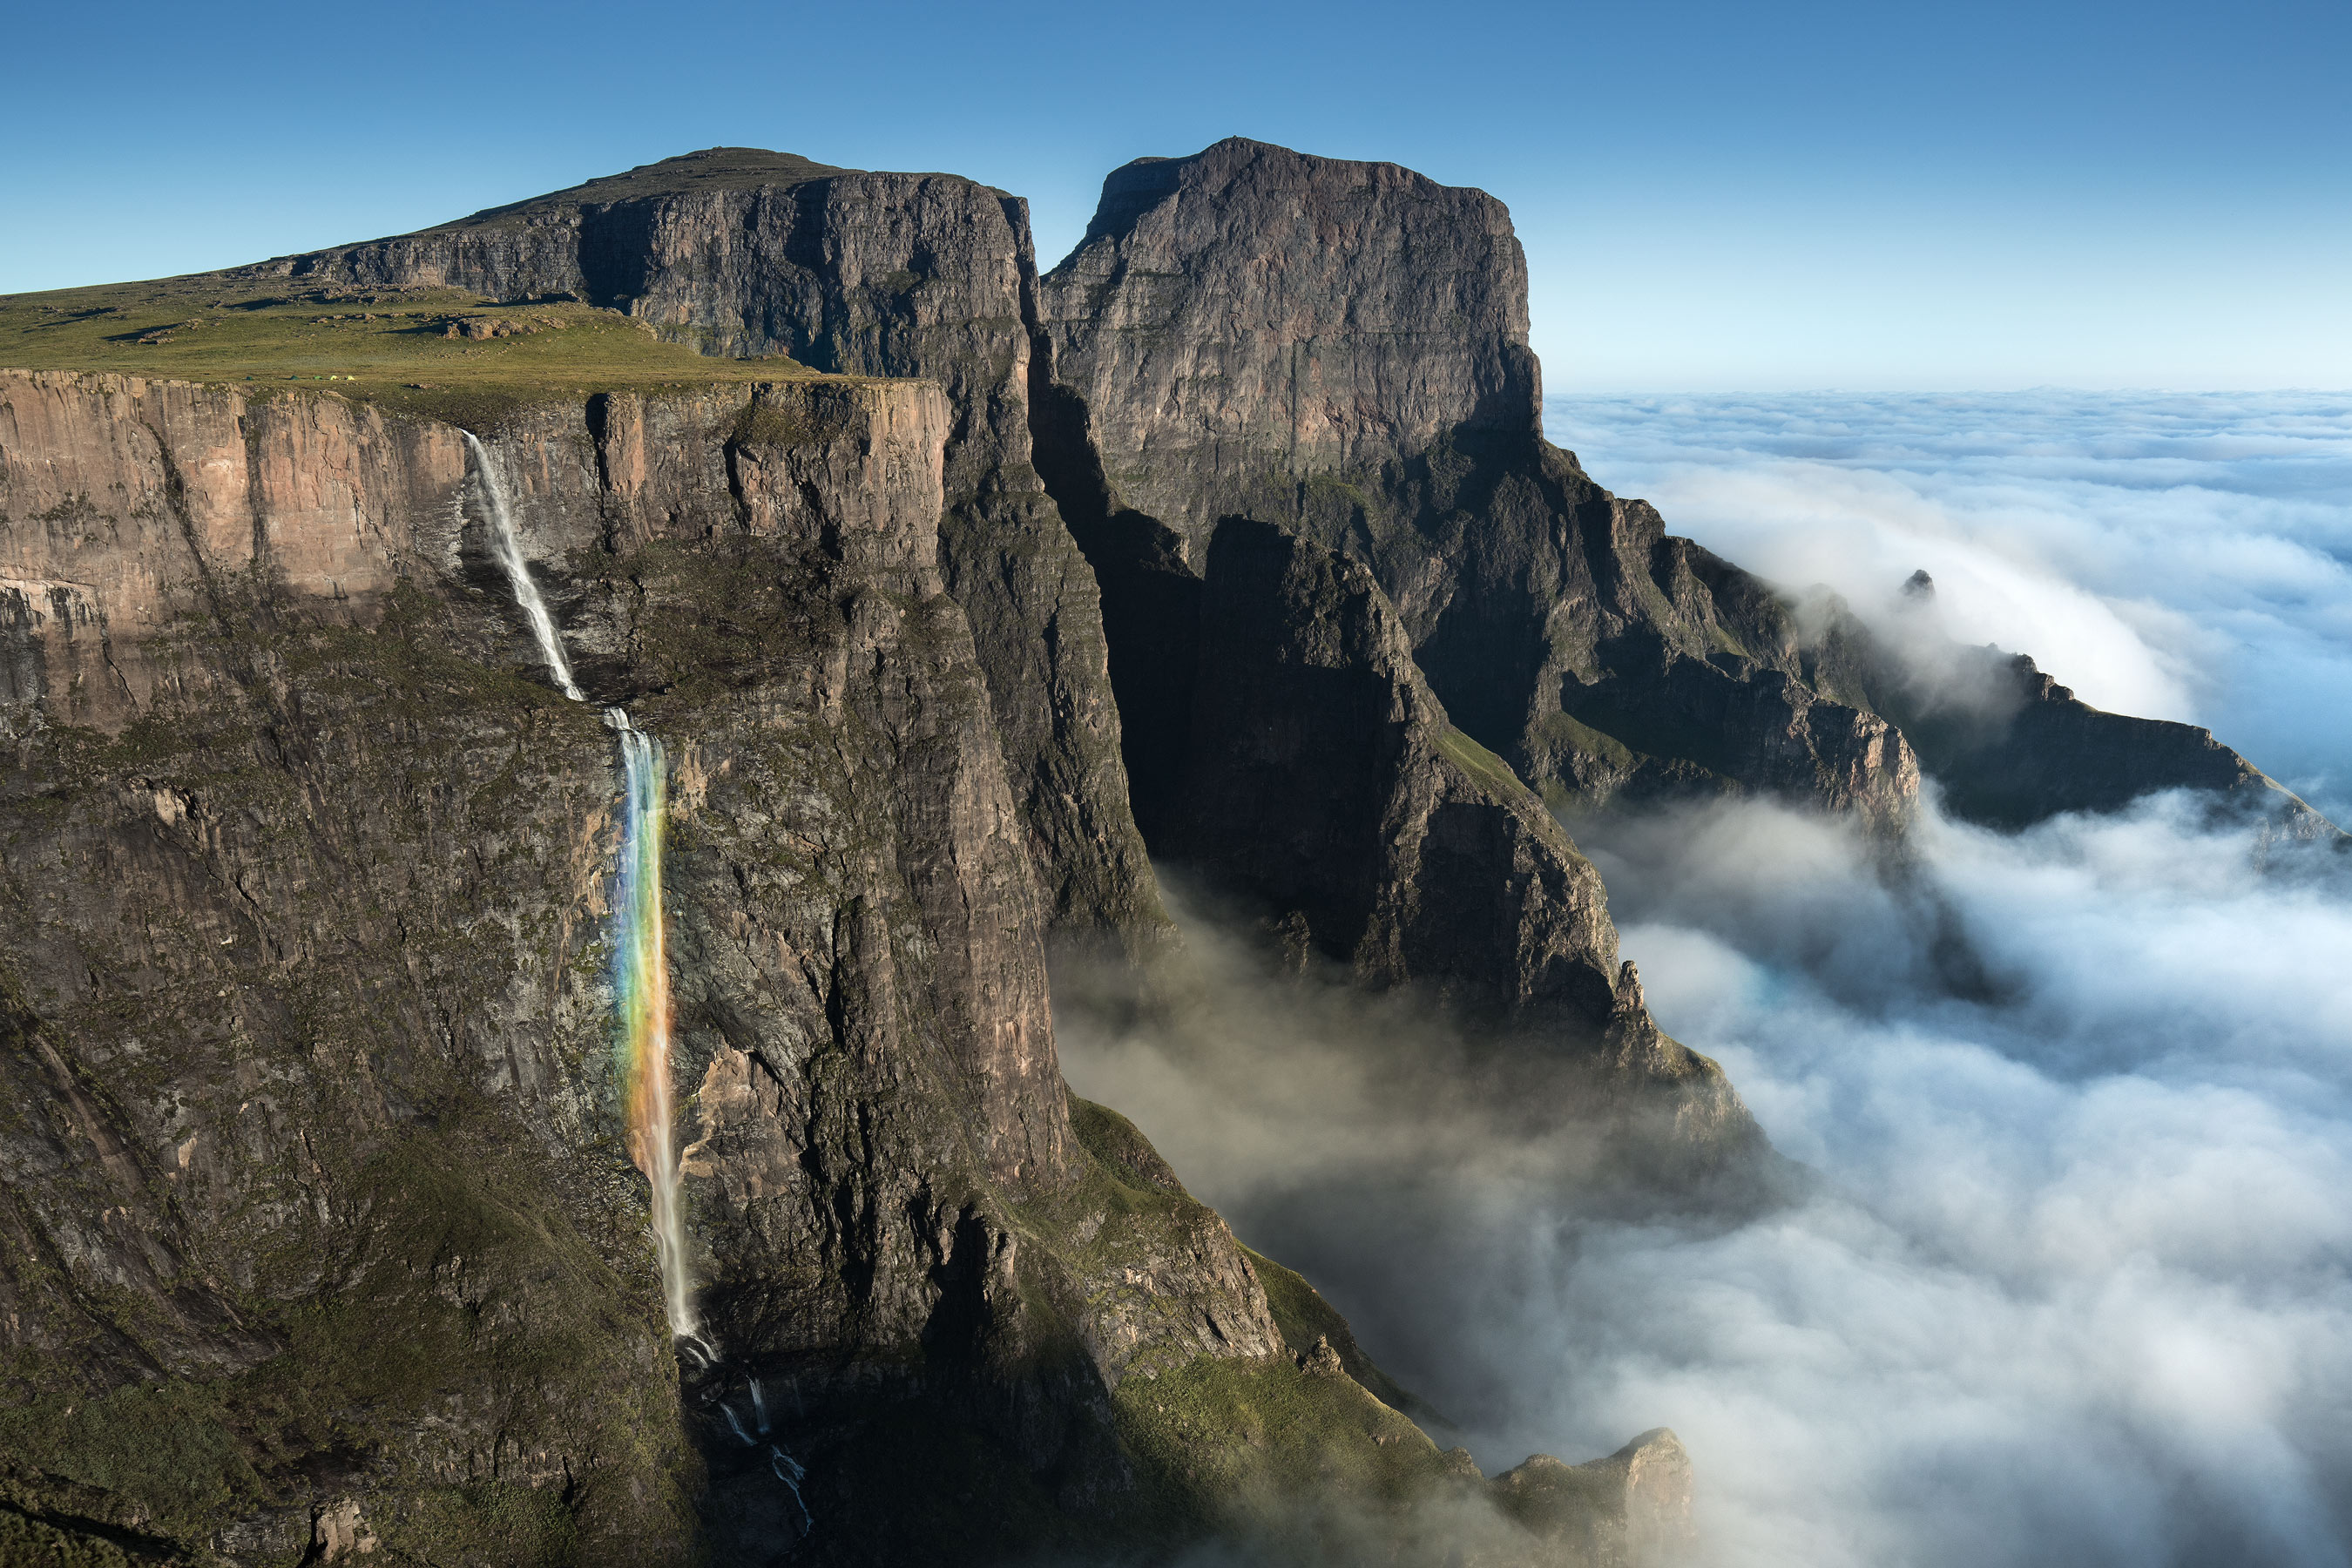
[
  {"x": 2075, "y": 1284},
  {"x": 2177, "y": 556}
]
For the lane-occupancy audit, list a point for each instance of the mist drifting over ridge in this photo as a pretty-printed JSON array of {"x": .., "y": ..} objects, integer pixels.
[
  {"x": 2075, "y": 1285},
  {"x": 2073, "y": 1288},
  {"x": 2184, "y": 556}
]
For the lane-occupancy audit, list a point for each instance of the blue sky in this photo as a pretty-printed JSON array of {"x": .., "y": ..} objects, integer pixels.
[{"x": 1713, "y": 196}]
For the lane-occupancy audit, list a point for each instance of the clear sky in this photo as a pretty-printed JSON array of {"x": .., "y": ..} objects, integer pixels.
[{"x": 1713, "y": 196}]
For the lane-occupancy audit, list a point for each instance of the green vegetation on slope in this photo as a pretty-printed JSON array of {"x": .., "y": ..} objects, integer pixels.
[
  {"x": 388, "y": 346},
  {"x": 1303, "y": 1317},
  {"x": 1236, "y": 1438},
  {"x": 1493, "y": 775},
  {"x": 1307, "y": 1458},
  {"x": 475, "y": 1312}
]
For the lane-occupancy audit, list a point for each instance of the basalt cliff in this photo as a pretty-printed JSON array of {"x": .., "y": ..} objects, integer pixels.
[{"x": 953, "y": 596}]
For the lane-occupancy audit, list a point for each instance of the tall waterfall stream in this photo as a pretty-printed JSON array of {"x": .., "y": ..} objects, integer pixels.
[{"x": 640, "y": 961}]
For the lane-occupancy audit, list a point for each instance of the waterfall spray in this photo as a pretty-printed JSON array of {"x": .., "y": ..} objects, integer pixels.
[
  {"x": 640, "y": 958},
  {"x": 780, "y": 1465},
  {"x": 526, "y": 592},
  {"x": 641, "y": 979},
  {"x": 641, "y": 985}
]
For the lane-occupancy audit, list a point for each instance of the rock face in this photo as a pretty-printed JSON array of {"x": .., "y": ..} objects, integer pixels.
[
  {"x": 2037, "y": 750},
  {"x": 1323, "y": 785},
  {"x": 133, "y": 504},
  {"x": 1241, "y": 322},
  {"x": 313, "y": 1141},
  {"x": 1644, "y": 1491},
  {"x": 320, "y": 1237},
  {"x": 1324, "y": 779},
  {"x": 1341, "y": 348},
  {"x": 2011, "y": 746},
  {"x": 741, "y": 252}
]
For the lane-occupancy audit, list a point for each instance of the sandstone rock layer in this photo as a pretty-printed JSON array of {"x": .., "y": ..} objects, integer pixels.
[
  {"x": 313, "y": 1118},
  {"x": 741, "y": 252}
]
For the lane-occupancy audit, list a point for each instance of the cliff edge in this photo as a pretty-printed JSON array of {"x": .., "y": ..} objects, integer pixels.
[{"x": 1341, "y": 348}]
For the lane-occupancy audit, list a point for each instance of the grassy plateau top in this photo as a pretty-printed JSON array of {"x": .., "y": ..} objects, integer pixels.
[{"x": 437, "y": 353}]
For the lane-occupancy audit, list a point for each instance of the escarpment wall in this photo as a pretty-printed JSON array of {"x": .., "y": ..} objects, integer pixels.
[
  {"x": 310, "y": 1108},
  {"x": 865, "y": 273},
  {"x": 1325, "y": 789},
  {"x": 1341, "y": 348},
  {"x": 127, "y": 507}
]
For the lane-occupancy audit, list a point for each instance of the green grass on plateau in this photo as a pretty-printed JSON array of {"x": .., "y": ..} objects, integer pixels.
[{"x": 388, "y": 346}]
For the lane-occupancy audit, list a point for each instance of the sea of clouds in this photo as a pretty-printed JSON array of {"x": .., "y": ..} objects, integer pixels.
[
  {"x": 2074, "y": 1282},
  {"x": 2177, "y": 556}
]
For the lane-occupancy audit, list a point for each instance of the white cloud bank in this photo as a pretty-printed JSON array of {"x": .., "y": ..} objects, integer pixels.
[
  {"x": 2075, "y": 1286},
  {"x": 2177, "y": 556}
]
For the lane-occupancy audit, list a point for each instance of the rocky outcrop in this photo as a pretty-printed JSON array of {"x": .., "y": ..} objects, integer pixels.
[
  {"x": 2009, "y": 746},
  {"x": 1341, "y": 348},
  {"x": 1324, "y": 787},
  {"x": 315, "y": 1190},
  {"x": 1324, "y": 782},
  {"x": 2033, "y": 749},
  {"x": 1243, "y": 323},
  {"x": 1643, "y": 1489},
  {"x": 742, "y": 252}
]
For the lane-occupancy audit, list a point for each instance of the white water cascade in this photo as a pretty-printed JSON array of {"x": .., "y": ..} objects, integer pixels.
[
  {"x": 526, "y": 592},
  {"x": 641, "y": 984},
  {"x": 640, "y": 959}
]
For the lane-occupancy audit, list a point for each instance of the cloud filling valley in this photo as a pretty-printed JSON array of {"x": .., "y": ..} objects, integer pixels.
[{"x": 2073, "y": 1283}]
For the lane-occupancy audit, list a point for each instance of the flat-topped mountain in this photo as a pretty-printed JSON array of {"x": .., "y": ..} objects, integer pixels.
[
  {"x": 712, "y": 169},
  {"x": 1248, "y": 320},
  {"x": 1341, "y": 347}
]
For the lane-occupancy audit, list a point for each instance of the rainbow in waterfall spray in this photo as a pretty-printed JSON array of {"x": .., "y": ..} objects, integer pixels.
[
  {"x": 641, "y": 982},
  {"x": 640, "y": 959}
]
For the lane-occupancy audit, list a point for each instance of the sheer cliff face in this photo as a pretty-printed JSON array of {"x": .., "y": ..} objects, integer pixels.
[
  {"x": 1342, "y": 348},
  {"x": 133, "y": 504},
  {"x": 1325, "y": 780},
  {"x": 1324, "y": 788},
  {"x": 1248, "y": 320},
  {"x": 740, "y": 252},
  {"x": 304, "y": 1016}
]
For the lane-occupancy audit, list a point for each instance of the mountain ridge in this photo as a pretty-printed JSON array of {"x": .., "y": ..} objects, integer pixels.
[{"x": 945, "y": 620}]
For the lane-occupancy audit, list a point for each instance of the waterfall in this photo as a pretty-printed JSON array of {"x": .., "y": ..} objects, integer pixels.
[
  {"x": 526, "y": 592},
  {"x": 641, "y": 981},
  {"x": 780, "y": 1465},
  {"x": 640, "y": 956}
]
